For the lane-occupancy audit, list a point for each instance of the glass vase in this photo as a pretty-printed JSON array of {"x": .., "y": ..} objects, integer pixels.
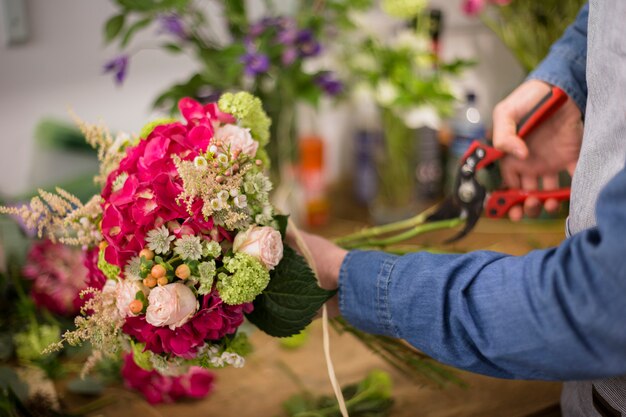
[{"x": 395, "y": 166}]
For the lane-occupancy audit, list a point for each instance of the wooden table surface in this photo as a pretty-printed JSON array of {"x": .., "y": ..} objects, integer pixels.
[{"x": 268, "y": 377}]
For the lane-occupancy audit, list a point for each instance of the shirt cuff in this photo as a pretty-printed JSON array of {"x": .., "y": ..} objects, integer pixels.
[
  {"x": 364, "y": 295},
  {"x": 561, "y": 69}
]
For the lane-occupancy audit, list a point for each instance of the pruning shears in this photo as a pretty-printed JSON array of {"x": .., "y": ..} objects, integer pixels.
[{"x": 469, "y": 197}]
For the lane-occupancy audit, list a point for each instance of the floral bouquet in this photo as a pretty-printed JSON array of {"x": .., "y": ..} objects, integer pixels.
[{"x": 182, "y": 240}]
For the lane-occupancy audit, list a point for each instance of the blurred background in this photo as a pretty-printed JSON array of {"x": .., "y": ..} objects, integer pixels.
[{"x": 372, "y": 102}]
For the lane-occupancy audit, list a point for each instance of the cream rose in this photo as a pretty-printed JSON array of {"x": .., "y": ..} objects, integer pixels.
[
  {"x": 264, "y": 243},
  {"x": 171, "y": 305},
  {"x": 125, "y": 292},
  {"x": 237, "y": 139}
]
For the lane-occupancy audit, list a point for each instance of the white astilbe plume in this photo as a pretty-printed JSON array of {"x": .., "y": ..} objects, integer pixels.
[
  {"x": 101, "y": 328},
  {"x": 61, "y": 217},
  {"x": 110, "y": 150}
]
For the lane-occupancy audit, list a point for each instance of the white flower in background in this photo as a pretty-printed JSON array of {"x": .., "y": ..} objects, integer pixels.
[
  {"x": 266, "y": 216},
  {"x": 132, "y": 270},
  {"x": 264, "y": 243},
  {"x": 364, "y": 62},
  {"x": 159, "y": 240},
  {"x": 171, "y": 305},
  {"x": 386, "y": 93},
  {"x": 410, "y": 40},
  {"x": 237, "y": 140},
  {"x": 421, "y": 116},
  {"x": 125, "y": 292},
  {"x": 189, "y": 247}
]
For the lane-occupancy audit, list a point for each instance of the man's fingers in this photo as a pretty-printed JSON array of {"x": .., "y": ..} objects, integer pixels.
[
  {"x": 532, "y": 206},
  {"x": 550, "y": 182},
  {"x": 516, "y": 213},
  {"x": 504, "y": 133}
]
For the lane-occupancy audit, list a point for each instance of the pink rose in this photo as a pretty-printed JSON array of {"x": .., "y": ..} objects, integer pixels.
[
  {"x": 237, "y": 139},
  {"x": 171, "y": 305},
  {"x": 263, "y": 243},
  {"x": 125, "y": 292}
]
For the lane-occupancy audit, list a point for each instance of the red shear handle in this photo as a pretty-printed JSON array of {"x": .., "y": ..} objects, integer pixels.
[
  {"x": 501, "y": 201},
  {"x": 548, "y": 105}
]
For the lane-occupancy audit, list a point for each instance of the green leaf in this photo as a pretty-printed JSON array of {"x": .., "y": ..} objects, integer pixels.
[
  {"x": 291, "y": 299},
  {"x": 138, "y": 25},
  {"x": 282, "y": 221},
  {"x": 113, "y": 27},
  {"x": 172, "y": 48}
]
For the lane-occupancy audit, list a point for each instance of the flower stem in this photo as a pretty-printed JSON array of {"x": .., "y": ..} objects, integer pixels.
[
  {"x": 385, "y": 229},
  {"x": 408, "y": 234}
]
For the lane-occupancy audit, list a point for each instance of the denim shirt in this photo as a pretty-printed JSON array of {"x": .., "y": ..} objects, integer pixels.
[
  {"x": 554, "y": 314},
  {"x": 565, "y": 65}
]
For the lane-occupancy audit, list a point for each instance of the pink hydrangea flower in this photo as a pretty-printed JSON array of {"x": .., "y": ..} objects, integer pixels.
[
  {"x": 58, "y": 276},
  {"x": 147, "y": 198},
  {"x": 213, "y": 321},
  {"x": 156, "y": 388}
]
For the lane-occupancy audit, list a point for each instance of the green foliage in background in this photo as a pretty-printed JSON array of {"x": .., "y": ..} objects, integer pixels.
[{"x": 528, "y": 28}]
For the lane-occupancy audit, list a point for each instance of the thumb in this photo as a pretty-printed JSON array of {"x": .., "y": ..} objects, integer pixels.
[{"x": 505, "y": 137}]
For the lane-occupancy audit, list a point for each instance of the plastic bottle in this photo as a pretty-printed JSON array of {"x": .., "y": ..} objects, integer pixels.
[
  {"x": 312, "y": 180},
  {"x": 467, "y": 127},
  {"x": 430, "y": 171}
]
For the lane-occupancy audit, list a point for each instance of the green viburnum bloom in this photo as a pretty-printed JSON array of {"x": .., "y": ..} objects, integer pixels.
[
  {"x": 30, "y": 343},
  {"x": 149, "y": 127},
  {"x": 207, "y": 271},
  {"x": 249, "y": 278},
  {"x": 248, "y": 110},
  {"x": 109, "y": 270},
  {"x": 211, "y": 249},
  {"x": 189, "y": 247}
]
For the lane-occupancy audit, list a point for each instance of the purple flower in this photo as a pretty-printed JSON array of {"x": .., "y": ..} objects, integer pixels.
[
  {"x": 287, "y": 36},
  {"x": 172, "y": 24},
  {"x": 327, "y": 82},
  {"x": 289, "y": 55},
  {"x": 255, "y": 62},
  {"x": 307, "y": 44},
  {"x": 118, "y": 66}
]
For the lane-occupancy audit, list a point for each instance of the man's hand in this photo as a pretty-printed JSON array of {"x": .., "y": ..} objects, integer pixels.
[
  {"x": 551, "y": 147},
  {"x": 327, "y": 259}
]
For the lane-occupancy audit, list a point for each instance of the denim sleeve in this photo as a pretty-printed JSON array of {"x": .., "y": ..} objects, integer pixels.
[
  {"x": 565, "y": 64},
  {"x": 556, "y": 314}
]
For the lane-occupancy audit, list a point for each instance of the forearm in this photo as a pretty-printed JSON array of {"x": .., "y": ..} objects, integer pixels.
[{"x": 552, "y": 314}]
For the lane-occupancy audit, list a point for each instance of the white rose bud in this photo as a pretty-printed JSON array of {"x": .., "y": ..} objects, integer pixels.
[
  {"x": 263, "y": 243},
  {"x": 237, "y": 140},
  {"x": 171, "y": 305},
  {"x": 125, "y": 292}
]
